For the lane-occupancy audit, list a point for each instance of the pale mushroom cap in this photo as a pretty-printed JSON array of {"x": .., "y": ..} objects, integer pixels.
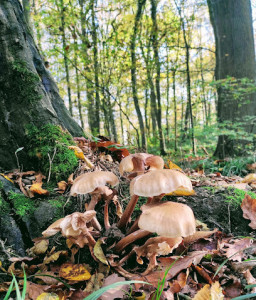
[
  {"x": 155, "y": 162},
  {"x": 157, "y": 182},
  {"x": 88, "y": 182},
  {"x": 169, "y": 219},
  {"x": 126, "y": 164}
]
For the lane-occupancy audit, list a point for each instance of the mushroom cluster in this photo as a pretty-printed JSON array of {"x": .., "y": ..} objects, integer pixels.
[{"x": 171, "y": 221}]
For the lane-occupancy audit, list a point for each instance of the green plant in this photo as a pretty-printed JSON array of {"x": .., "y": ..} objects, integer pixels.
[
  {"x": 22, "y": 205},
  {"x": 95, "y": 295},
  {"x": 236, "y": 196},
  {"x": 48, "y": 148},
  {"x": 23, "y": 77},
  {"x": 19, "y": 296}
]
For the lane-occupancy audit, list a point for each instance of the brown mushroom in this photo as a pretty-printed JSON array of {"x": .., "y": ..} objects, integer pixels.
[
  {"x": 168, "y": 219},
  {"x": 154, "y": 247},
  {"x": 74, "y": 226},
  {"x": 94, "y": 184},
  {"x": 138, "y": 163},
  {"x": 154, "y": 185}
]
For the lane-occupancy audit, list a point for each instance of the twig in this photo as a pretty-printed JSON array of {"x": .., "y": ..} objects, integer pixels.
[
  {"x": 50, "y": 161},
  {"x": 184, "y": 296}
]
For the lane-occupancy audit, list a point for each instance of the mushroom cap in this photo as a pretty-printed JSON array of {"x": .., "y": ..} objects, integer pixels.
[
  {"x": 169, "y": 219},
  {"x": 88, "y": 182},
  {"x": 157, "y": 182},
  {"x": 128, "y": 165}
]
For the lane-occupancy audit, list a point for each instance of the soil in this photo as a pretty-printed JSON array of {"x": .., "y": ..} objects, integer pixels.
[{"x": 211, "y": 207}]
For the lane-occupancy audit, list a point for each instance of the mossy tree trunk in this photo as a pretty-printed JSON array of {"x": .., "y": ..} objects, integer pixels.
[{"x": 28, "y": 94}]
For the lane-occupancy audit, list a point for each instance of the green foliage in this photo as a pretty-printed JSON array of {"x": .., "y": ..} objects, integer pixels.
[
  {"x": 23, "y": 206},
  {"x": 4, "y": 207},
  {"x": 230, "y": 167},
  {"x": 1, "y": 185},
  {"x": 51, "y": 142},
  {"x": 24, "y": 82},
  {"x": 236, "y": 196}
]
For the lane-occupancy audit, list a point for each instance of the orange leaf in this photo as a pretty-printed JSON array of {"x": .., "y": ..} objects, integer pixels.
[
  {"x": 172, "y": 165},
  {"x": 76, "y": 272},
  {"x": 36, "y": 188},
  {"x": 249, "y": 210}
]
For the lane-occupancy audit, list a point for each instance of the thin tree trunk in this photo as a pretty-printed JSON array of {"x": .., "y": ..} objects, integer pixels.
[
  {"x": 78, "y": 89},
  {"x": 65, "y": 51},
  {"x": 96, "y": 68},
  {"x": 158, "y": 73},
  {"x": 140, "y": 6},
  {"x": 175, "y": 107},
  {"x": 167, "y": 97}
]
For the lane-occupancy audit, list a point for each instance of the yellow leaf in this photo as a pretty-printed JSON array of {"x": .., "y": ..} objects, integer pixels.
[
  {"x": 98, "y": 252},
  {"x": 55, "y": 256},
  {"x": 72, "y": 272},
  {"x": 1, "y": 267},
  {"x": 78, "y": 152},
  {"x": 48, "y": 296},
  {"x": 172, "y": 165},
  {"x": 250, "y": 178},
  {"x": 182, "y": 192},
  {"x": 210, "y": 293},
  {"x": 6, "y": 177},
  {"x": 40, "y": 247}
]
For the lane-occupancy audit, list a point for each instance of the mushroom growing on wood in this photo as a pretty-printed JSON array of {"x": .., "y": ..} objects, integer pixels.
[
  {"x": 154, "y": 185},
  {"x": 138, "y": 163},
  {"x": 94, "y": 184},
  {"x": 74, "y": 227}
]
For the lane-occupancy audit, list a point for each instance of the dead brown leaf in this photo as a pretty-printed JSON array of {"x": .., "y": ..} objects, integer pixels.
[
  {"x": 249, "y": 210},
  {"x": 118, "y": 292},
  {"x": 235, "y": 251}
]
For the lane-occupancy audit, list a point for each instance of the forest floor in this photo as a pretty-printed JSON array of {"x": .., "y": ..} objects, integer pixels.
[{"x": 217, "y": 263}]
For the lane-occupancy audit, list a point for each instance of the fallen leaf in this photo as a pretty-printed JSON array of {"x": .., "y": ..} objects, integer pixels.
[
  {"x": 62, "y": 186},
  {"x": 117, "y": 292},
  {"x": 98, "y": 252},
  {"x": 250, "y": 178},
  {"x": 48, "y": 296},
  {"x": 172, "y": 165},
  {"x": 55, "y": 256},
  {"x": 198, "y": 235},
  {"x": 47, "y": 279},
  {"x": 94, "y": 283},
  {"x": 250, "y": 280},
  {"x": 208, "y": 292},
  {"x": 235, "y": 251},
  {"x": 35, "y": 290},
  {"x": 249, "y": 210},
  {"x": 40, "y": 247},
  {"x": 76, "y": 272},
  {"x": 251, "y": 167},
  {"x": 36, "y": 188},
  {"x": 79, "y": 154}
]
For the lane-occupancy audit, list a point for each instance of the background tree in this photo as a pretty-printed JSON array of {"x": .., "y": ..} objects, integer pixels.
[{"x": 235, "y": 58}]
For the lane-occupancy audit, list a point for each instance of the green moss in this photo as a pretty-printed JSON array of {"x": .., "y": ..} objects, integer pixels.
[
  {"x": 4, "y": 207},
  {"x": 24, "y": 82},
  {"x": 236, "y": 196},
  {"x": 58, "y": 204},
  {"x": 23, "y": 206},
  {"x": 53, "y": 141},
  {"x": 1, "y": 185}
]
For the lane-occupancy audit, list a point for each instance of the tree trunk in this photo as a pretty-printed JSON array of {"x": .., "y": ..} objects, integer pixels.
[
  {"x": 96, "y": 69},
  {"x": 26, "y": 8},
  {"x": 65, "y": 52},
  {"x": 235, "y": 58},
  {"x": 141, "y": 3},
  {"x": 158, "y": 73},
  {"x": 28, "y": 94}
]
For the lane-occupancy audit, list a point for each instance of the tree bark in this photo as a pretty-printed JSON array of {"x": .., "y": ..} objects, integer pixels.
[
  {"x": 158, "y": 73},
  {"x": 140, "y": 5},
  {"x": 235, "y": 58},
  {"x": 24, "y": 98}
]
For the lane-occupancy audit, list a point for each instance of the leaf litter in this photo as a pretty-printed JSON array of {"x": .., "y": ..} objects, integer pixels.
[{"x": 193, "y": 269}]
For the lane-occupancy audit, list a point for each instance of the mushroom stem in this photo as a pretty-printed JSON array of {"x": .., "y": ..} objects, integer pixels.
[
  {"x": 135, "y": 224},
  {"x": 128, "y": 212},
  {"x": 106, "y": 215},
  {"x": 89, "y": 237},
  {"x": 94, "y": 200},
  {"x": 124, "y": 242}
]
